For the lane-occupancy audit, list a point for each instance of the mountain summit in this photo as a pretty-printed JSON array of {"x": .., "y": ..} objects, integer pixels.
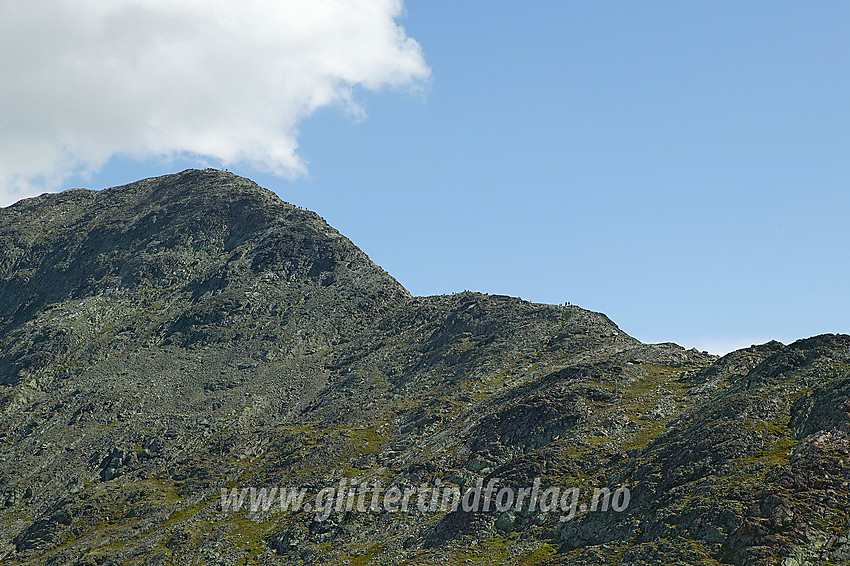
[{"x": 174, "y": 346}]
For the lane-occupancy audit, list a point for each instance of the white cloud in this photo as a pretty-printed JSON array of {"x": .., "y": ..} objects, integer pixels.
[{"x": 83, "y": 80}]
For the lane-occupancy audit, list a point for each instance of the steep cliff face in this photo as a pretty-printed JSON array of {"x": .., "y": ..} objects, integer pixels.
[{"x": 169, "y": 338}]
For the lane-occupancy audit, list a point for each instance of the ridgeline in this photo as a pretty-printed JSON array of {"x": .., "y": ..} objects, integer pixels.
[{"x": 167, "y": 339}]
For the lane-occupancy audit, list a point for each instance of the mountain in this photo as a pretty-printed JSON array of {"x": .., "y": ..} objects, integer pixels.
[{"x": 171, "y": 344}]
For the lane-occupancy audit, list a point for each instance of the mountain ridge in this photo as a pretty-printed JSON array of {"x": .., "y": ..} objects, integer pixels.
[{"x": 169, "y": 338}]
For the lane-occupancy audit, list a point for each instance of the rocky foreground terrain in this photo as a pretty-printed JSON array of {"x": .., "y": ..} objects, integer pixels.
[{"x": 167, "y": 339}]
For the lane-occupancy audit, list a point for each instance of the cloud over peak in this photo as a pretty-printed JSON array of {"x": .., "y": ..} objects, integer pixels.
[{"x": 84, "y": 80}]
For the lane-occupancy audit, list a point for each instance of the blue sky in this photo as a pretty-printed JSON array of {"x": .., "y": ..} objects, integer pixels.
[{"x": 682, "y": 167}]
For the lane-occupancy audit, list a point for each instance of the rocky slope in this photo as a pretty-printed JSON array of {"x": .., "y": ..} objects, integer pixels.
[{"x": 169, "y": 338}]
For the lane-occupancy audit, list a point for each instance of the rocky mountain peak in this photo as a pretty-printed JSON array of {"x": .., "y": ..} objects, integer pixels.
[
  {"x": 190, "y": 239},
  {"x": 167, "y": 339}
]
